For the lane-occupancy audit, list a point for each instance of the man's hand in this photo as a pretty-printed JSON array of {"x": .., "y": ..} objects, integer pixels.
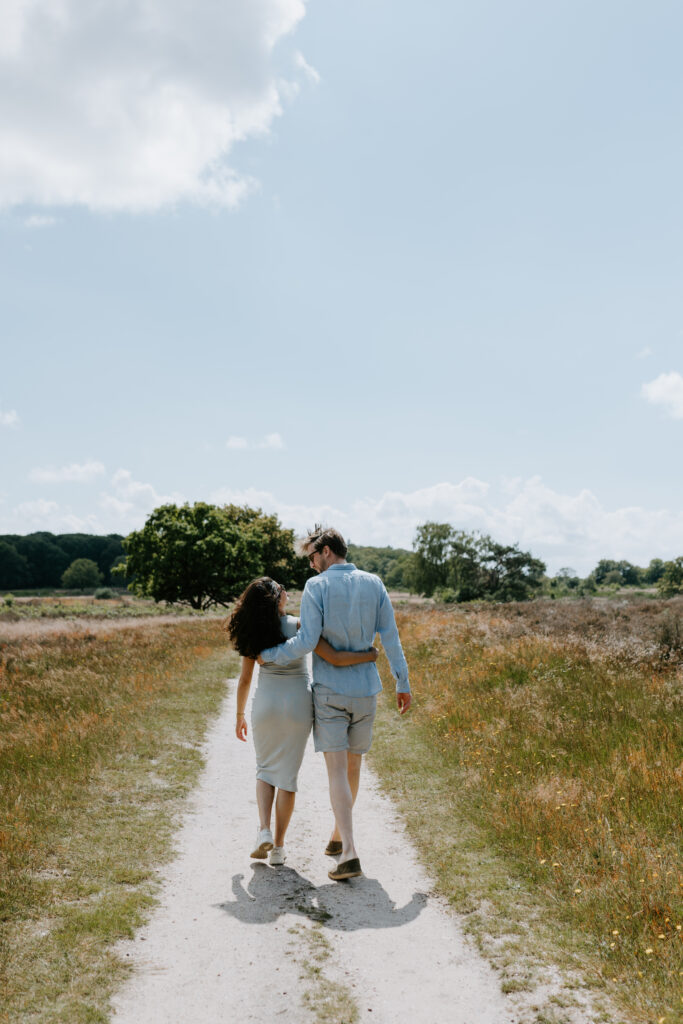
[
  {"x": 403, "y": 700},
  {"x": 260, "y": 660}
]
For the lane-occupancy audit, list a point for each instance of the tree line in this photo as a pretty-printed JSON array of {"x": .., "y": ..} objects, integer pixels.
[
  {"x": 205, "y": 555},
  {"x": 39, "y": 560}
]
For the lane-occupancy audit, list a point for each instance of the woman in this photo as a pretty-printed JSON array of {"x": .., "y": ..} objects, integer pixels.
[{"x": 282, "y": 709}]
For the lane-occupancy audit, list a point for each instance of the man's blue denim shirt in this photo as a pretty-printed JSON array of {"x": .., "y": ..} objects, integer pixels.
[{"x": 347, "y": 607}]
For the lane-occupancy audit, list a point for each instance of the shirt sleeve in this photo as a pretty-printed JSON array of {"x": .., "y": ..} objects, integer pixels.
[
  {"x": 386, "y": 627},
  {"x": 307, "y": 637}
]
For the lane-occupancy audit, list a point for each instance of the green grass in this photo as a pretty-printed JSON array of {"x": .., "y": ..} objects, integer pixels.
[{"x": 99, "y": 744}]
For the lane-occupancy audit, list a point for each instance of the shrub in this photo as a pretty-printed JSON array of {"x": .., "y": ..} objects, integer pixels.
[
  {"x": 81, "y": 575},
  {"x": 104, "y": 594},
  {"x": 670, "y": 638}
]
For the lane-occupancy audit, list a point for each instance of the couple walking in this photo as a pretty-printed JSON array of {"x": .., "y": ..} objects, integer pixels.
[{"x": 342, "y": 608}]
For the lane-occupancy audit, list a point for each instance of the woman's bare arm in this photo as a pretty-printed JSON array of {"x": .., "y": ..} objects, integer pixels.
[
  {"x": 343, "y": 658},
  {"x": 243, "y": 687}
]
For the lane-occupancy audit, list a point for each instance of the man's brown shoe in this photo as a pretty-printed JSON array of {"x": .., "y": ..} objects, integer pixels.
[
  {"x": 349, "y": 869},
  {"x": 333, "y": 848}
]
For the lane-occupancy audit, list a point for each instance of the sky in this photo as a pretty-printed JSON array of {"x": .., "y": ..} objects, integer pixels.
[{"x": 365, "y": 263}]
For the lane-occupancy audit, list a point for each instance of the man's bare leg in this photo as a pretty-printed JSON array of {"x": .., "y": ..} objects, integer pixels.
[
  {"x": 353, "y": 766},
  {"x": 341, "y": 799}
]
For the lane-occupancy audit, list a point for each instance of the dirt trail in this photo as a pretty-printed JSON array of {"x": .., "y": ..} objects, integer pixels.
[{"x": 234, "y": 939}]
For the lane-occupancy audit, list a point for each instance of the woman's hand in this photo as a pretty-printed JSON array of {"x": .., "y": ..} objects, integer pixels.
[
  {"x": 241, "y": 728},
  {"x": 343, "y": 658}
]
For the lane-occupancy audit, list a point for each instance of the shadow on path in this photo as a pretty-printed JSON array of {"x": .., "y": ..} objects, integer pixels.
[{"x": 340, "y": 906}]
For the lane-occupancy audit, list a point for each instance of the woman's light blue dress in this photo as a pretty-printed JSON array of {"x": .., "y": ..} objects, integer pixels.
[{"x": 281, "y": 717}]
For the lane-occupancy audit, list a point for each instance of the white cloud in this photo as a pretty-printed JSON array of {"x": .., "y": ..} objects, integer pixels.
[
  {"x": 9, "y": 418},
  {"x": 131, "y": 501},
  {"x": 667, "y": 391},
  {"x": 74, "y": 473},
  {"x": 36, "y": 220},
  {"x": 644, "y": 352},
  {"x": 310, "y": 72},
  {"x": 562, "y": 529},
  {"x": 136, "y": 106},
  {"x": 43, "y": 514},
  {"x": 274, "y": 442},
  {"x": 36, "y": 512}
]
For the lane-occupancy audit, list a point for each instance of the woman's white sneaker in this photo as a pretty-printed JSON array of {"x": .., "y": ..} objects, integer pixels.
[
  {"x": 277, "y": 856},
  {"x": 264, "y": 843}
]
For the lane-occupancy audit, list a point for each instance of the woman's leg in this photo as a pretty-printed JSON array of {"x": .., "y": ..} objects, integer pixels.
[
  {"x": 264, "y": 798},
  {"x": 284, "y": 805}
]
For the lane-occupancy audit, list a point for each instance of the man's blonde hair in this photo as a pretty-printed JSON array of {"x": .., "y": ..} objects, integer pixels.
[{"x": 320, "y": 537}]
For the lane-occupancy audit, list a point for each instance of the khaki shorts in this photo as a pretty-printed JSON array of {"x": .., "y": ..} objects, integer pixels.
[{"x": 342, "y": 723}]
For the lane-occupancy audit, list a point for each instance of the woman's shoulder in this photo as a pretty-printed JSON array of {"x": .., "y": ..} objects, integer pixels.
[{"x": 290, "y": 624}]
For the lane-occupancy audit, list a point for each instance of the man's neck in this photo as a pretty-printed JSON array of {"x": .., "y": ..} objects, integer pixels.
[{"x": 334, "y": 560}]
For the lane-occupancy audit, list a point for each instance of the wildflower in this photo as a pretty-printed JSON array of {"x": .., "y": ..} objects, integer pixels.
[
  {"x": 577, "y": 891},
  {"x": 649, "y": 950},
  {"x": 615, "y": 932},
  {"x": 542, "y": 861}
]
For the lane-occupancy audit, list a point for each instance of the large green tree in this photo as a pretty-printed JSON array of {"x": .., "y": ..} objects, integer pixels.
[
  {"x": 205, "y": 555},
  {"x": 473, "y": 566},
  {"x": 430, "y": 569},
  {"x": 670, "y": 582}
]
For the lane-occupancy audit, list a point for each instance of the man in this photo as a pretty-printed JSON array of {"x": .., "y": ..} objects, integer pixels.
[{"x": 347, "y": 607}]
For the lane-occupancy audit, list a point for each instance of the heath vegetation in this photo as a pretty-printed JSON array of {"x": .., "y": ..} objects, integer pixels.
[{"x": 560, "y": 729}]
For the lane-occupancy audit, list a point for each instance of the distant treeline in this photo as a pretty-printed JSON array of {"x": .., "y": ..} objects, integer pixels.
[
  {"x": 39, "y": 559},
  {"x": 446, "y": 563},
  {"x": 392, "y": 565}
]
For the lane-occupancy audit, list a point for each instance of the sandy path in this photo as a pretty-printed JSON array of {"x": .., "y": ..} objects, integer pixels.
[{"x": 235, "y": 939}]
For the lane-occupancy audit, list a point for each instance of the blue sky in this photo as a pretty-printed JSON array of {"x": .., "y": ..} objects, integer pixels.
[{"x": 368, "y": 262}]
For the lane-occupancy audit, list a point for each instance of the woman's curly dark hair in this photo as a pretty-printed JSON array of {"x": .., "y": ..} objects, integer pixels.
[{"x": 255, "y": 621}]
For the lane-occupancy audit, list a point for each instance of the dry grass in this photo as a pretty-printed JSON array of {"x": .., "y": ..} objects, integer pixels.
[
  {"x": 99, "y": 734},
  {"x": 55, "y": 607},
  {"x": 564, "y": 737}
]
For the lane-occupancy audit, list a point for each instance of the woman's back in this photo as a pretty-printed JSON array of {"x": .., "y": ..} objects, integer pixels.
[{"x": 298, "y": 667}]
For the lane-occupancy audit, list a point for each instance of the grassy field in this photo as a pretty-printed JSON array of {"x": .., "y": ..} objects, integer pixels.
[
  {"x": 540, "y": 774},
  {"x": 550, "y": 737},
  {"x": 85, "y": 606},
  {"x": 99, "y": 732}
]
